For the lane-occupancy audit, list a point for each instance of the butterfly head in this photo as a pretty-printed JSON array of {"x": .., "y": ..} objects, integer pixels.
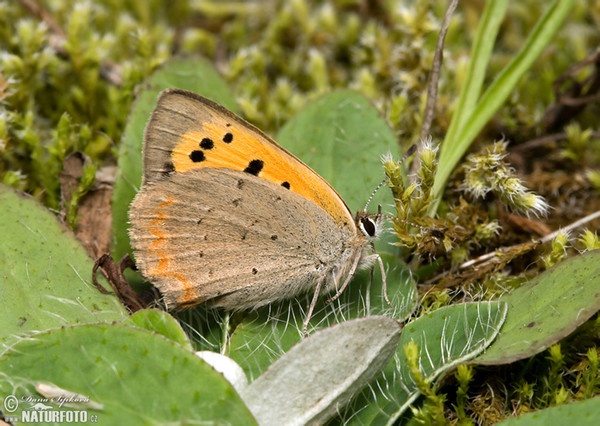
[{"x": 370, "y": 224}]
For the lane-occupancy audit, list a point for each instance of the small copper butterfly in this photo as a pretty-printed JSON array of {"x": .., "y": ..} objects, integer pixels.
[{"x": 228, "y": 217}]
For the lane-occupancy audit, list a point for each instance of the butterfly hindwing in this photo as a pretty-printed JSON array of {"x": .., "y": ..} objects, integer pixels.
[{"x": 231, "y": 239}]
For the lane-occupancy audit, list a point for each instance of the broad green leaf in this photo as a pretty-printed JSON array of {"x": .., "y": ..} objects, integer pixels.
[
  {"x": 195, "y": 74},
  {"x": 342, "y": 137},
  {"x": 546, "y": 309},
  {"x": 45, "y": 273},
  {"x": 319, "y": 375},
  {"x": 163, "y": 323},
  {"x": 136, "y": 376},
  {"x": 581, "y": 413},
  {"x": 445, "y": 338}
]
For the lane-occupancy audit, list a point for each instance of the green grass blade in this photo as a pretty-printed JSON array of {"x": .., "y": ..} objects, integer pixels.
[
  {"x": 500, "y": 89},
  {"x": 492, "y": 18}
]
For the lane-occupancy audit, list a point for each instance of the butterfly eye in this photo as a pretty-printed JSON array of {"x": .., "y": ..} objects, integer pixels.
[{"x": 368, "y": 226}]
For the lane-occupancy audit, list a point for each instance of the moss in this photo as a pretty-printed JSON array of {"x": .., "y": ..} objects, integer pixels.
[{"x": 277, "y": 56}]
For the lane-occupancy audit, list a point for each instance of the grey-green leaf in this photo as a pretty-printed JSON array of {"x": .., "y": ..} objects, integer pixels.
[
  {"x": 582, "y": 413},
  {"x": 136, "y": 376},
  {"x": 445, "y": 338},
  {"x": 319, "y": 375},
  {"x": 45, "y": 272},
  {"x": 546, "y": 309}
]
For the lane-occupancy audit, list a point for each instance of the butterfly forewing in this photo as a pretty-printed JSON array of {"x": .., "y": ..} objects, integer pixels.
[{"x": 209, "y": 136}]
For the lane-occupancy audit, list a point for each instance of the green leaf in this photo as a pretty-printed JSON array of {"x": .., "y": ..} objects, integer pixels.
[
  {"x": 342, "y": 137},
  {"x": 137, "y": 377},
  {"x": 162, "y": 323},
  {"x": 581, "y": 413},
  {"x": 319, "y": 375},
  {"x": 195, "y": 74},
  {"x": 546, "y": 309},
  {"x": 445, "y": 338},
  {"x": 45, "y": 278}
]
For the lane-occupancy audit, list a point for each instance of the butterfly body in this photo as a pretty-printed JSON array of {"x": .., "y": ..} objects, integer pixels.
[{"x": 228, "y": 217}]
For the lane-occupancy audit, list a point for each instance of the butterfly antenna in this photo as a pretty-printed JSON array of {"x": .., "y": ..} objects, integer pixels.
[
  {"x": 373, "y": 193},
  {"x": 410, "y": 151}
]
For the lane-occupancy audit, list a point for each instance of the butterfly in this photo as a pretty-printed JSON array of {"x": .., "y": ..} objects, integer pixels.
[{"x": 227, "y": 217}]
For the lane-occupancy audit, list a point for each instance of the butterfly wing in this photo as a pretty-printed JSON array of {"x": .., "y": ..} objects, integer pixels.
[
  {"x": 233, "y": 239},
  {"x": 188, "y": 132}
]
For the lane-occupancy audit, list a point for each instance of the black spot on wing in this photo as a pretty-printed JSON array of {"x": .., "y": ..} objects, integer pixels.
[
  {"x": 254, "y": 167},
  {"x": 207, "y": 143},
  {"x": 168, "y": 168},
  {"x": 197, "y": 156}
]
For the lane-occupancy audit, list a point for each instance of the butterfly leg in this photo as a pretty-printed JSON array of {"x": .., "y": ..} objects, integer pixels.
[
  {"x": 377, "y": 258},
  {"x": 114, "y": 272},
  {"x": 346, "y": 282},
  {"x": 368, "y": 292},
  {"x": 311, "y": 308},
  {"x": 383, "y": 280}
]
